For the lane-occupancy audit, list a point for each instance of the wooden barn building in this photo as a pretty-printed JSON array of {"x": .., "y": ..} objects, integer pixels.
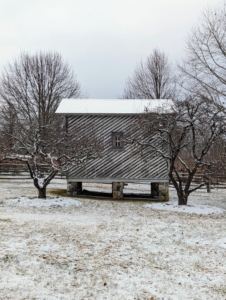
[{"x": 113, "y": 122}]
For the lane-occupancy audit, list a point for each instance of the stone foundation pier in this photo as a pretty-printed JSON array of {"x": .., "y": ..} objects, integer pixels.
[
  {"x": 117, "y": 190},
  {"x": 155, "y": 190},
  {"x": 74, "y": 188},
  {"x": 163, "y": 191},
  {"x": 160, "y": 191}
]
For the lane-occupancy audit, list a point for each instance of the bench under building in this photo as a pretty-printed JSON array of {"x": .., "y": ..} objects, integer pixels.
[{"x": 113, "y": 122}]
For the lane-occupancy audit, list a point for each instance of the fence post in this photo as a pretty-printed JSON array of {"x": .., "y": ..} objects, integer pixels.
[{"x": 208, "y": 186}]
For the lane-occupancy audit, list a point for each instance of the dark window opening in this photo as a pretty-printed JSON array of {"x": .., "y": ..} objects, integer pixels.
[{"x": 117, "y": 140}]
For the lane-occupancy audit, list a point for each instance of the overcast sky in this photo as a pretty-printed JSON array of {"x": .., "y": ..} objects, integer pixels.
[{"x": 102, "y": 40}]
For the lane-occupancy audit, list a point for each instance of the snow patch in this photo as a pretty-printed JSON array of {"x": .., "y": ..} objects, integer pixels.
[
  {"x": 190, "y": 209},
  {"x": 39, "y": 203},
  {"x": 222, "y": 243}
]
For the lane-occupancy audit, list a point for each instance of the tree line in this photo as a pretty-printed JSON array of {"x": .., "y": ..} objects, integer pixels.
[{"x": 194, "y": 133}]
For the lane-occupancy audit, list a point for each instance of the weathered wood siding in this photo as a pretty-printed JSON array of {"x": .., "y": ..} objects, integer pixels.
[{"x": 132, "y": 164}]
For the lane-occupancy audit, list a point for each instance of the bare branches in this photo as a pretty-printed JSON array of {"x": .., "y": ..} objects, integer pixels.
[
  {"x": 205, "y": 65},
  {"x": 153, "y": 79},
  {"x": 31, "y": 89},
  {"x": 35, "y": 84},
  {"x": 188, "y": 135},
  {"x": 58, "y": 151}
]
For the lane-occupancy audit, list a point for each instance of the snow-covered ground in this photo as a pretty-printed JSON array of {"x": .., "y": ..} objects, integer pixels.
[
  {"x": 68, "y": 248},
  {"x": 50, "y": 202},
  {"x": 196, "y": 208}
]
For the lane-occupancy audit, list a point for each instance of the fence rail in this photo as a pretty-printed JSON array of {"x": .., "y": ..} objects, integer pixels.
[
  {"x": 218, "y": 180},
  {"x": 20, "y": 171}
]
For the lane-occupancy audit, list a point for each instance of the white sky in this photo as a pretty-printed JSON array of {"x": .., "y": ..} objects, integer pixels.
[{"x": 102, "y": 40}]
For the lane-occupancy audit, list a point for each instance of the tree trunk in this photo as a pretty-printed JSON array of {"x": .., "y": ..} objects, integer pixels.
[
  {"x": 42, "y": 193},
  {"x": 41, "y": 190},
  {"x": 182, "y": 199}
]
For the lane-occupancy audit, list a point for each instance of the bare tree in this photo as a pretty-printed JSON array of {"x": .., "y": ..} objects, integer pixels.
[
  {"x": 35, "y": 84},
  {"x": 31, "y": 89},
  {"x": 47, "y": 150},
  {"x": 153, "y": 79},
  {"x": 204, "y": 68},
  {"x": 194, "y": 127}
]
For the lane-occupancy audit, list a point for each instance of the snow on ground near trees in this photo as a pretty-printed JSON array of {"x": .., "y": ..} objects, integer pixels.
[
  {"x": 67, "y": 248},
  {"x": 53, "y": 202},
  {"x": 191, "y": 209}
]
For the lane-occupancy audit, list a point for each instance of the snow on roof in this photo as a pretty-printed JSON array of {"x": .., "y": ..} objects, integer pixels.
[{"x": 113, "y": 106}]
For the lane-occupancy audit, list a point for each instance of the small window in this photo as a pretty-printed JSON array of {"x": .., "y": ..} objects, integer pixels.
[{"x": 117, "y": 140}]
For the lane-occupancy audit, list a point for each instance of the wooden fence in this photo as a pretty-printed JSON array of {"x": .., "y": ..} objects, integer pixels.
[
  {"x": 20, "y": 171},
  {"x": 217, "y": 180}
]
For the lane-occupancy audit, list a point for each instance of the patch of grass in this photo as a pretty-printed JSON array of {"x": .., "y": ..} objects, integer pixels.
[
  {"x": 5, "y": 220},
  {"x": 58, "y": 192},
  {"x": 221, "y": 289}
]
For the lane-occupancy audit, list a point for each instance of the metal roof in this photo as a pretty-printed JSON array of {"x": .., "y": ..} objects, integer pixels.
[{"x": 113, "y": 106}]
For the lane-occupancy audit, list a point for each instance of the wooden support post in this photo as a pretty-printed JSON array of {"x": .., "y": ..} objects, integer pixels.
[
  {"x": 163, "y": 191},
  {"x": 74, "y": 188},
  {"x": 208, "y": 186},
  {"x": 117, "y": 190}
]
